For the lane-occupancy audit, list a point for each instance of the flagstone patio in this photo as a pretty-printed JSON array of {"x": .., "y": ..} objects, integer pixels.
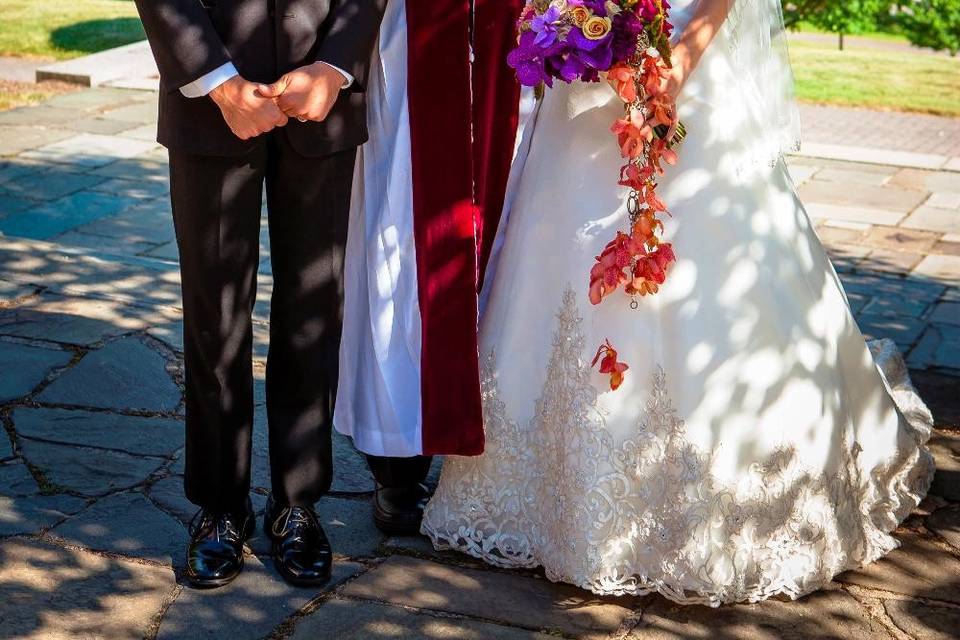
[{"x": 92, "y": 515}]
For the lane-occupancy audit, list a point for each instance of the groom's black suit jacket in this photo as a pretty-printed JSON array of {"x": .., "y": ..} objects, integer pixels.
[{"x": 264, "y": 39}]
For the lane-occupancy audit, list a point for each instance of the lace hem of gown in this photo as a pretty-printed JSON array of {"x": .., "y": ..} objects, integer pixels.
[{"x": 646, "y": 515}]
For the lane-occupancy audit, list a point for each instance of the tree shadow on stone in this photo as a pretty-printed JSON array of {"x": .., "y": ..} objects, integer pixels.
[{"x": 91, "y": 36}]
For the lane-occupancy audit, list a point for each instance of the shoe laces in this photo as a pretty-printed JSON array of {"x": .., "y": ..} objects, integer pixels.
[
  {"x": 220, "y": 525},
  {"x": 294, "y": 519}
]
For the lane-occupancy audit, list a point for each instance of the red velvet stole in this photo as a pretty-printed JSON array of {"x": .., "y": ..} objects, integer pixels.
[
  {"x": 456, "y": 209},
  {"x": 440, "y": 127},
  {"x": 496, "y": 102}
]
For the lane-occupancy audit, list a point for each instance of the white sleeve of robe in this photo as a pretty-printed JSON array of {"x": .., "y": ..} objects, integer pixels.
[{"x": 378, "y": 400}]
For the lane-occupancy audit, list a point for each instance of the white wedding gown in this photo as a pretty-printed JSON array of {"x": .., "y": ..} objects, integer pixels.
[{"x": 756, "y": 447}]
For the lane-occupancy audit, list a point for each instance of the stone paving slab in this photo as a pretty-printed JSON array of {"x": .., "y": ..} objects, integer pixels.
[
  {"x": 80, "y": 240},
  {"x": 856, "y": 153},
  {"x": 856, "y": 176},
  {"x": 24, "y": 367},
  {"x": 84, "y": 274},
  {"x": 945, "y": 269},
  {"x": 919, "y": 568},
  {"x": 147, "y": 221},
  {"x": 54, "y": 218},
  {"x": 140, "y": 113},
  {"x": 13, "y": 204},
  {"x": 43, "y": 115},
  {"x": 142, "y": 168},
  {"x": 852, "y": 194},
  {"x": 13, "y": 169},
  {"x": 6, "y": 448},
  {"x": 924, "y": 620},
  {"x": 828, "y": 614},
  {"x": 945, "y": 200},
  {"x": 249, "y": 608},
  {"x": 867, "y": 215},
  {"x": 15, "y": 139},
  {"x": 348, "y": 620},
  {"x": 51, "y": 593},
  {"x": 130, "y": 434},
  {"x": 141, "y": 189},
  {"x": 901, "y": 329},
  {"x": 88, "y": 472},
  {"x": 16, "y": 480},
  {"x": 900, "y": 239},
  {"x": 125, "y": 374},
  {"x": 521, "y": 601},
  {"x": 132, "y": 60},
  {"x": 127, "y": 524},
  {"x": 946, "y": 524},
  {"x": 46, "y": 184},
  {"x": 933, "y": 218},
  {"x": 99, "y": 125},
  {"x": 30, "y": 514},
  {"x": 946, "y": 312},
  {"x": 351, "y": 473},
  {"x": 938, "y": 347},
  {"x": 90, "y": 102},
  {"x": 74, "y": 321},
  {"x": 89, "y": 150},
  {"x": 945, "y": 447}
]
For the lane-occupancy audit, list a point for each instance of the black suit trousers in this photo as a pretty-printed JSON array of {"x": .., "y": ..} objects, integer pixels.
[{"x": 217, "y": 205}]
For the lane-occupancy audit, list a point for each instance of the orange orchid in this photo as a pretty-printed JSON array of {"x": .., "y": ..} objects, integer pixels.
[
  {"x": 623, "y": 78},
  {"x": 612, "y": 268},
  {"x": 633, "y": 133},
  {"x": 638, "y": 261},
  {"x": 607, "y": 357}
]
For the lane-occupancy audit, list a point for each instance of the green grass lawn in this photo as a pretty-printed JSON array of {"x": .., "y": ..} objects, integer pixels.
[
  {"x": 66, "y": 28},
  {"x": 893, "y": 80},
  {"x": 888, "y": 36}
]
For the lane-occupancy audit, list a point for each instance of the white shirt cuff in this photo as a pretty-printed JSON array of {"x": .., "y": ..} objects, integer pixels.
[
  {"x": 204, "y": 85},
  {"x": 349, "y": 77}
]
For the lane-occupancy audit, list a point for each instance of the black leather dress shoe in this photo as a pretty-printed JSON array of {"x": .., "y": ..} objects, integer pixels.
[
  {"x": 301, "y": 551},
  {"x": 215, "y": 554},
  {"x": 399, "y": 510}
]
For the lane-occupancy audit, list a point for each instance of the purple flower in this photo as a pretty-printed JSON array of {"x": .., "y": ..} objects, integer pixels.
[
  {"x": 529, "y": 61},
  {"x": 545, "y": 26},
  {"x": 626, "y": 29}
]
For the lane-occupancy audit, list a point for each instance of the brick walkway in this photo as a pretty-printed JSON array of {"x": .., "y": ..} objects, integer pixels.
[
  {"x": 92, "y": 514},
  {"x": 915, "y": 133}
]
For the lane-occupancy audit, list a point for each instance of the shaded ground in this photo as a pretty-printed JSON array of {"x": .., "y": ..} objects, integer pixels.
[
  {"x": 92, "y": 516},
  {"x": 21, "y": 94}
]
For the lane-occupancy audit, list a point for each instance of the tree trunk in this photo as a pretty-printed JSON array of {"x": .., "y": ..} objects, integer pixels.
[{"x": 841, "y": 41}]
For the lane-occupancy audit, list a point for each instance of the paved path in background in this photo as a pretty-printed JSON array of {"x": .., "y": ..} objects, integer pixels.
[
  {"x": 887, "y": 130},
  {"x": 21, "y": 69},
  {"x": 92, "y": 513}
]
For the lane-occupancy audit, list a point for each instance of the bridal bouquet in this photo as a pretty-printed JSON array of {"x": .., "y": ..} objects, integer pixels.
[{"x": 626, "y": 42}]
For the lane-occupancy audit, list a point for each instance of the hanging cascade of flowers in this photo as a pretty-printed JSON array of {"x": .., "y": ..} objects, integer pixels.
[{"x": 627, "y": 42}]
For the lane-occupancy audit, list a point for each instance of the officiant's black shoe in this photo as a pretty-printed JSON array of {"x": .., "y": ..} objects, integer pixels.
[
  {"x": 215, "y": 554},
  {"x": 301, "y": 551},
  {"x": 399, "y": 510}
]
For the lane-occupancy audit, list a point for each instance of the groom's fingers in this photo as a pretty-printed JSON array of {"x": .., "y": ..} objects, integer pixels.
[{"x": 272, "y": 91}]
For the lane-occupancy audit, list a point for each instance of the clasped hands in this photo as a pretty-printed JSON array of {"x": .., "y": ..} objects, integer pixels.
[{"x": 251, "y": 109}]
